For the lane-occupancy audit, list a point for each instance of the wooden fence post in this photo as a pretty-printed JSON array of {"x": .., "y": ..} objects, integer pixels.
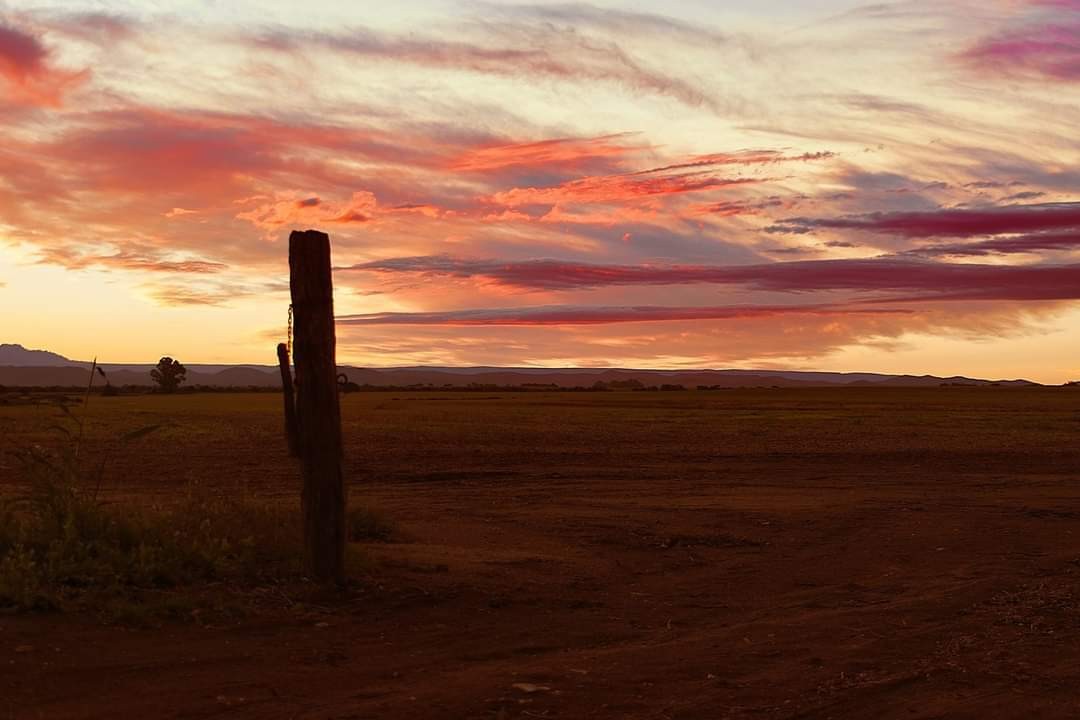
[
  {"x": 318, "y": 414},
  {"x": 289, "y": 398}
]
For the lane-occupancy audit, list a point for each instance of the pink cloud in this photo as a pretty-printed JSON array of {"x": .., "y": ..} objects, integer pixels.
[
  {"x": 947, "y": 221},
  {"x": 1045, "y": 45},
  {"x": 140, "y": 148},
  {"x": 1004, "y": 245},
  {"x": 931, "y": 279},
  {"x": 27, "y": 73},
  {"x": 142, "y": 161},
  {"x": 1046, "y": 52}
]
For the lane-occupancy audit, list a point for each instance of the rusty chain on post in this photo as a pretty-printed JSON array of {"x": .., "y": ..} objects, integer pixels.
[{"x": 288, "y": 339}]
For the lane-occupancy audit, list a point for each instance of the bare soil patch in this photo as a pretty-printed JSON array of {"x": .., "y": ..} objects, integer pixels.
[{"x": 832, "y": 553}]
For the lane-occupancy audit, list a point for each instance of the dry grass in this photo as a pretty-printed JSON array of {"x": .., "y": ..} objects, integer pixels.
[{"x": 62, "y": 547}]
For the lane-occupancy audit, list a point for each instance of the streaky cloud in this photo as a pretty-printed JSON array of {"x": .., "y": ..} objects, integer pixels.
[
  {"x": 952, "y": 222},
  {"x": 934, "y": 279},
  {"x": 1021, "y": 244},
  {"x": 596, "y": 315},
  {"x": 540, "y": 50}
]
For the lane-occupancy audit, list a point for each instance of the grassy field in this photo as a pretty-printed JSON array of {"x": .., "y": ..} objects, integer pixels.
[{"x": 833, "y": 553}]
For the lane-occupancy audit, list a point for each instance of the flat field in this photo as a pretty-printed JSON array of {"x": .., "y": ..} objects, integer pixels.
[{"x": 820, "y": 553}]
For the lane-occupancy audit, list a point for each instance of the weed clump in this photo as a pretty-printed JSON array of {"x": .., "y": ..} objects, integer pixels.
[{"x": 61, "y": 547}]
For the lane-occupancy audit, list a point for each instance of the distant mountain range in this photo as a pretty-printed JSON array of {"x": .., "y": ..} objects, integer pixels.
[{"x": 20, "y": 367}]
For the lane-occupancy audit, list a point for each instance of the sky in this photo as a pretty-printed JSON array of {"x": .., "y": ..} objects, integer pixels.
[{"x": 827, "y": 185}]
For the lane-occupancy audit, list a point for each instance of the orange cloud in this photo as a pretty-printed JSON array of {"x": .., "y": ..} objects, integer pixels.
[
  {"x": 615, "y": 188},
  {"x": 561, "y": 153},
  {"x": 309, "y": 210}
]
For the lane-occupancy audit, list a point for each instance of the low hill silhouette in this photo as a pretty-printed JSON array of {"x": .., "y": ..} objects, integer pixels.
[
  {"x": 20, "y": 367},
  {"x": 18, "y": 355}
]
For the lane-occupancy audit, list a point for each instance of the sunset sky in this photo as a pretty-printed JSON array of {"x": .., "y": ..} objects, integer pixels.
[{"x": 805, "y": 184}]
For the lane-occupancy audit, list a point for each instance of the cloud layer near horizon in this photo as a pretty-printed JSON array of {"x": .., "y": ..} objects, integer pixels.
[{"x": 667, "y": 177}]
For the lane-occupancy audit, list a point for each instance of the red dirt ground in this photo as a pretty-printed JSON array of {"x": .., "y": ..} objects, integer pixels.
[{"x": 753, "y": 554}]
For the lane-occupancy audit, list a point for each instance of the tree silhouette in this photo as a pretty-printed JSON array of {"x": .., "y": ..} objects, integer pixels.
[{"x": 168, "y": 374}]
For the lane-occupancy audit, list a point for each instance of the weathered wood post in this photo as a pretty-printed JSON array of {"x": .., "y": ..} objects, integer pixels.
[
  {"x": 289, "y": 398},
  {"x": 318, "y": 414}
]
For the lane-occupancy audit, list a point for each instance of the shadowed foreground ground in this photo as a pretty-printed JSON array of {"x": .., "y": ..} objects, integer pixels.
[{"x": 761, "y": 554}]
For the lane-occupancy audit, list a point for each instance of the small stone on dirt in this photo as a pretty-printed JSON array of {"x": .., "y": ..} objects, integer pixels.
[{"x": 530, "y": 688}]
